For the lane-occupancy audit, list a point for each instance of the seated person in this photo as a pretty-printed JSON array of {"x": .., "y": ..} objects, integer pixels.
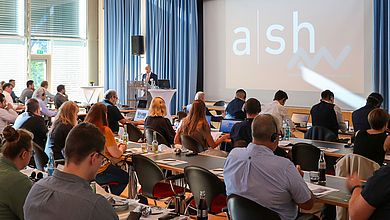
[
  {"x": 32, "y": 121},
  {"x": 27, "y": 92},
  {"x": 372, "y": 200},
  {"x": 278, "y": 110},
  {"x": 373, "y": 143},
  {"x": 40, "y": 95},
  {"x": 7, "y": 113},
  {"x": 113, "y": 114},
  {"x": 13, "y": 95},
  {"x": 360, "y": 116},
  {"x": 196, "y": 125},
  {"x": 234, "y": 108},
  {"x": 256, "y": 173},
  {"x": 7, "y": 90},
  {"x": 45, "y": 87},
  {"x": 60, "y": 97},
  {"x": 327, "y": 114},
  {"x": 112, "y": 152},
  {"x": 202, "y": 97},
  {"x": 156, "y": 120},
  {"x": 67, "y": 194},
  {"x": 243, "y": 130},
  {"x": 65, "y": 120},
  {"x": 14, "y": 186}
]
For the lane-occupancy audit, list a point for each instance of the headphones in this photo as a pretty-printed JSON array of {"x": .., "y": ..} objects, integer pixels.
[{"x": 274, "y": 136}]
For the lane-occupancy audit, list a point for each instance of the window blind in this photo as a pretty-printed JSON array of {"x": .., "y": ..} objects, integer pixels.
[{"x": 12, "y": 17}]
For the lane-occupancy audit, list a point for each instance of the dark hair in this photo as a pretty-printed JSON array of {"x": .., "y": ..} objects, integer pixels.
[
  {"x": 97, "y": 115},
  {"x": 6, "y": 85},
  {"x": 60, "y": 88},
  {"x": 378, "y": 118},
  {"x": 240, "y": 93},
  {"x": 280, "y": 95},
  {"x": 327, "y": 94},
  {"x": 109, "y": 94},
  {"x": 83, "y": 140},
  {"x": 32, "y": 105},
  {"x": 16, "y": 141},
  {"x": 29, "y": 83},
  {"x": 2, "y": 98},
  {"x": 375, "y": 99},
  {"x": 44, "y": 83},
  {"x": 252, "y": 106},
  {"x": 11, "y": 80}
]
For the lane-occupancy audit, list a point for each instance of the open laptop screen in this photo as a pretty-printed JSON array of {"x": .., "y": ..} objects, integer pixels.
[
  {"x": 140, "y": 114},
  {"x": 227, "y": 125},
  {"x": 300, "y": 118}
]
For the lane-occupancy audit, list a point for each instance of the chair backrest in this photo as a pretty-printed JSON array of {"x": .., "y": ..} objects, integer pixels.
[
  {"x": 148, "y": 173},
  {"x": 320, "y": 133},
  {"x": 354, "y": 163},
  {"x": 200, "y": 179},
  {"x": 40, "y": 157},
  {"x": 190, "y": 143},
  {"x": 306, "y": 155},
  {"x": 135, "y": 134},
  {"x": 160, "y": 139},
  {"x": 219, "y": 103},
  {"x": 241, "y": 208}
]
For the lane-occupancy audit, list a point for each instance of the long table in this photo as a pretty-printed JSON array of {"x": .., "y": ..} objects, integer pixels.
[
  {"x": 333, "y": 149},
  {"x": 339, "y": 198}
]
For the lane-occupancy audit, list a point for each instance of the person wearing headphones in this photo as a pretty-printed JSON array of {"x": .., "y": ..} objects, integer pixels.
[
  {"x": 256, "y": 173},
  {"x": 360, "y": 116}
]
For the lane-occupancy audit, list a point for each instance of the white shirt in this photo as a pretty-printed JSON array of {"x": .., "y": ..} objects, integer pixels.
[
  {"x": 7, "y": 117},
  {"x": 8, "y": 99},
  {"x": 279, "y": 112}
]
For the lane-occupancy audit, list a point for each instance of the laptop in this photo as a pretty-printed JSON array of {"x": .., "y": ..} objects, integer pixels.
[
  {"x": 141, "y": 114},
  {"x": 227, "y": 125},
  {"x": 163, "y": 84},
  {"x": 300, "y": 119}
]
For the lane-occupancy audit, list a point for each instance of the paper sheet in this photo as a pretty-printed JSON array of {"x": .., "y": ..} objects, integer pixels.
[
  {"x": 215, "y": 135},
  {"x": 171, "y": 161},
  {"x": 319, "y": 190}
]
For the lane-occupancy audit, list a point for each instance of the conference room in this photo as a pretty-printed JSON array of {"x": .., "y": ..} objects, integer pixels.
[{"x": 194, "y": 109}]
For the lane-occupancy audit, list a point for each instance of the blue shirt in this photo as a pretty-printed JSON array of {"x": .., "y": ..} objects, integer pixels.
[
  {"x": 234, "y": 109},
  {"x": 272, "y": 181}
]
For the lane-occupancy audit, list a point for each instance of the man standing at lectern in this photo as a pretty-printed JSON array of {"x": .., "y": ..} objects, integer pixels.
[{"x": 148, "y": 76}]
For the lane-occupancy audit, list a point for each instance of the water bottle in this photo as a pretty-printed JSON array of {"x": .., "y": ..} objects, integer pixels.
[
  {"x": 125, "y": 136},
  {"x": 322, "y": 168},
  {"x": 287, "y": 133},
  {"x": 51, "y": 164},
  {"x": 202, "y": 210},
  {"x": 155, "y": 143}
]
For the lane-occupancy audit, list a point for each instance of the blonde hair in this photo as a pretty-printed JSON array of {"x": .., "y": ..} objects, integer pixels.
[
  {"x": 67, "y": 114},
  {"x": 157, "y": 107}
]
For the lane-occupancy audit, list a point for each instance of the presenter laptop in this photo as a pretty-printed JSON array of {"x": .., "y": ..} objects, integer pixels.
[
  {"x": 300, "y": 119},
  {"x": 141, "y": 114},
  {"x": 163, "y": 84},
  {"x": 227, "y": 125}
]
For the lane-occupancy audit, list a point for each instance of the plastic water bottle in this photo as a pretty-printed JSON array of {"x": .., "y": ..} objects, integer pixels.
[
  {"x": 51, "y": 164},
  {"x": 286, "y": 130},
  {"x": 125, "y": 135}
]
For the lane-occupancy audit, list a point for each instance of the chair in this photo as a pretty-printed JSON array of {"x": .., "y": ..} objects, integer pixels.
[
  {"x": 153, "y": 183},
  {"x": 241, "y": 208},
  {"x": 135, "y": 134},
  {"x": 200, "y": 179},
  {"x": 306, "y": 155},
  {"x": 191, "y": 144},
  {"x": 219, "y": 103},
  {"x": 320, "y": 133},
  {"x": 160, "y": 139},
  {"x": 40, "y": 157}
]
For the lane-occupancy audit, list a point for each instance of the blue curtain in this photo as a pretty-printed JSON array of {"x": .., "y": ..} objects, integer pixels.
[
  {"x": 172, "y": 45},
  {"x": 381, "y": 49},
  {"x": 121, "y": 21}
]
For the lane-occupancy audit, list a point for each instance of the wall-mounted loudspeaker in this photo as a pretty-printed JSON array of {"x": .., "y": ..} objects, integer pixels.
[{"x": 137, "y": 45}]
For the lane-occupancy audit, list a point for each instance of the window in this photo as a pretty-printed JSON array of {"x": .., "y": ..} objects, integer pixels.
[
  {"x": 58, "y": 18},
  {"x": 12, "y": 17}
]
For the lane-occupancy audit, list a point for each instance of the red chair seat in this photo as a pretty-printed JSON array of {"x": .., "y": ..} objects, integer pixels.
[
  {"x": 163, "y": 190},
  {"x": 218, "y": 203}
]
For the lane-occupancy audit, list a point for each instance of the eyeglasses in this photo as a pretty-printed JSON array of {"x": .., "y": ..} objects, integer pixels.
[{"x": 105, "y": 159}]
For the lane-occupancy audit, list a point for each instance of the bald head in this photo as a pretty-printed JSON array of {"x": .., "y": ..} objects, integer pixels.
[
  {"x": 263, "y": 128},
  {"x": 200, "y": 96}
]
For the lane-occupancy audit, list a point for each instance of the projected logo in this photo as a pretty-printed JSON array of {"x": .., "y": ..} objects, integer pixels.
[{"x": 311, "y": 58}]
